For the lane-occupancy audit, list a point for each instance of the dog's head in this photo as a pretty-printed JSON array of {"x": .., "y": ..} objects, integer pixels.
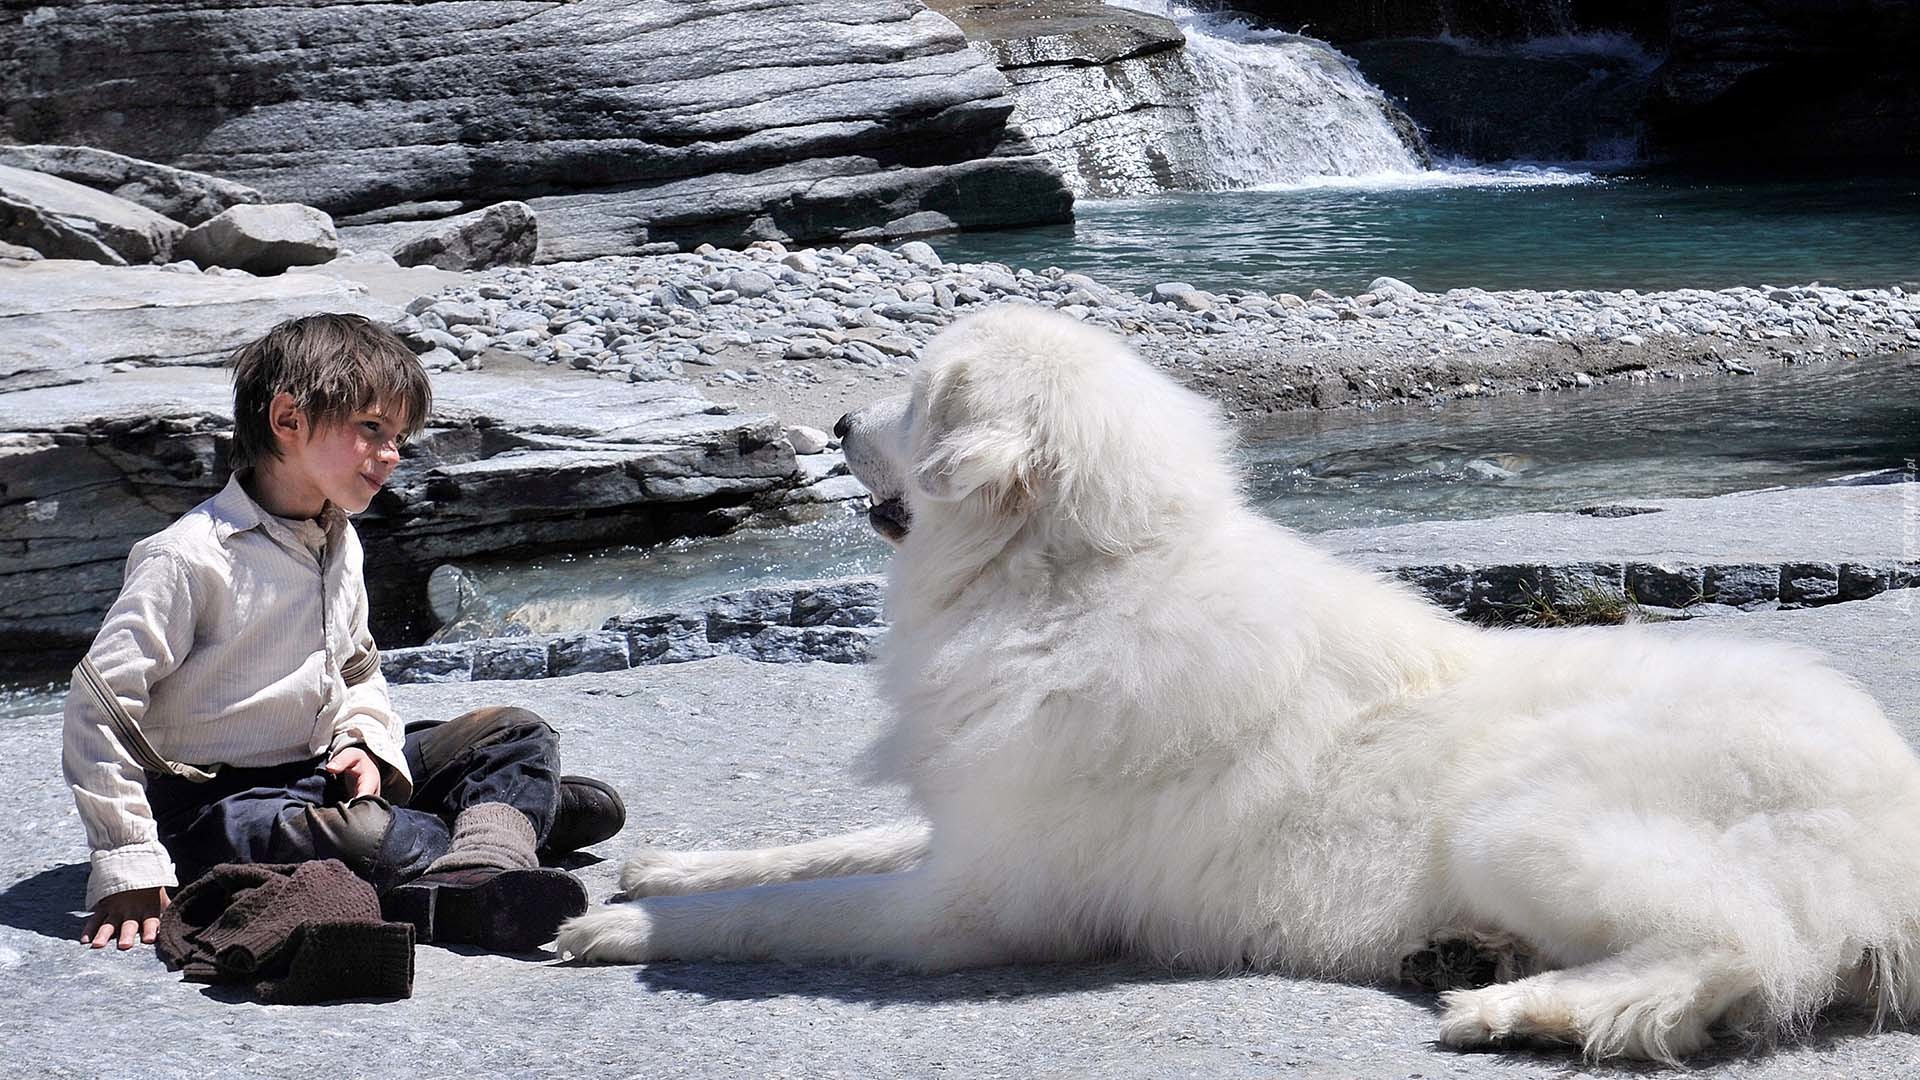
[{"x": 1021, "y": 417}]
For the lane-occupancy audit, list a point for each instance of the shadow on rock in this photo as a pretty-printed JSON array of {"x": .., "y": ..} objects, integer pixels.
[
  {"x": 882, "y": 986},
  {"x": 44, "y": 903}
]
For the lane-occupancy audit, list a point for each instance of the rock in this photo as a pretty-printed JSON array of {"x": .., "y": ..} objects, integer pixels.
[
  {"x": 63, "y": 322},
  {"x": 806, "y": 440},
  {"x": 651, "y": 121},
  {"x": 1801, "y": 546},
  {"x": 64, "y": 220},
  {"x": 835, "y": 621},
  {"x": 187, "y": 197},
  {"x": 504, "y": 234},
  {"x": 1394, "y": 288},
  {"x": 418, "y": 211},
  {"x": 262, "y": 240},
  {"x": 920, "y": 254},
  {"x": 749, "y": 283},
  {"x": 1181, "y": 295}
]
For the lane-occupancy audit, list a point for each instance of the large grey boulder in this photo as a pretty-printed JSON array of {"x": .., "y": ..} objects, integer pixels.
[
  {"x": 504, "y": 234},
  {"x": 64, "y": 220},
  {"x": 187, "y": 197},
  {"x": 634, "y": 121},
  {"x": 262, "y": 239}
]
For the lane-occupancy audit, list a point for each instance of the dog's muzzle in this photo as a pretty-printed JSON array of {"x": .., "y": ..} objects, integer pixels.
[{"x": 890, "y": 518}]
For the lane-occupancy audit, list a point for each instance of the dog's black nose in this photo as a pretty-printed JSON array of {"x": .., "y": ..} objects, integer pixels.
[{"x": 841, "y": 427}]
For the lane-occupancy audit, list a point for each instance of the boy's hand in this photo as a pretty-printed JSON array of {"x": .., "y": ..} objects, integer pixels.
[
  {"x": 132, "y": 916},
  {"x": 358, "y": 769}
]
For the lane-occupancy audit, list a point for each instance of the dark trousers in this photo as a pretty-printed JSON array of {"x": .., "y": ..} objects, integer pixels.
[{"x": 296, "y": 812}]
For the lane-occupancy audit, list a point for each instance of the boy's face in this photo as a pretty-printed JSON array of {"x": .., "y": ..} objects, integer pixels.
[{"x": 344, "y": 462}]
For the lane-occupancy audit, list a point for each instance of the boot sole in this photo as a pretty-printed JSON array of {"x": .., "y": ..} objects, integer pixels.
[{"x": 512, "y": 911}]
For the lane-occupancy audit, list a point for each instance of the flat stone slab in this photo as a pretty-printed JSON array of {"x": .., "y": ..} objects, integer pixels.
[
  {"x": 1788, "y": 547},
  {"x": 61, "y": 320},
  {"x": 730, "y": 752}
]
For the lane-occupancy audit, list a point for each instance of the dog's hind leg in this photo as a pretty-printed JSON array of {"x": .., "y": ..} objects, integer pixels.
[
  {"x": 880, "y": 850},
  {"x": 1650, "y": 1001},
  {"x": 904, "y": 919}
]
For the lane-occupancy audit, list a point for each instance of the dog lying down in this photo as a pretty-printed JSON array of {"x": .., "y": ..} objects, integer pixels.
[{"x": 1140, "y": 719}]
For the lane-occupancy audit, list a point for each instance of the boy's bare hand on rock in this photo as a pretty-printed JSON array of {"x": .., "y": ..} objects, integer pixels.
[
  {"x": 357, "y": 767},
  {"x": 132, "y": 916}
]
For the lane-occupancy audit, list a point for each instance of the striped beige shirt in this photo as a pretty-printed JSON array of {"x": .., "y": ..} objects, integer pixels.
[{"x": 239, "y": 638}]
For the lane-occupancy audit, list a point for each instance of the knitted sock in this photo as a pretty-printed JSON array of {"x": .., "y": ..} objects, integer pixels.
[{"x": 492, "y": 836}]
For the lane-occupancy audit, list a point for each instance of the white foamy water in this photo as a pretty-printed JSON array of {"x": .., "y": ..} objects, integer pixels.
[
  {"x": 1449, "y": 175},
  {"x": 1278, "y": 108}
]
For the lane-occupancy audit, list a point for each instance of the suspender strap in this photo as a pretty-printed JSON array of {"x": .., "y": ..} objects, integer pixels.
[{"x": 129, "y": 732}]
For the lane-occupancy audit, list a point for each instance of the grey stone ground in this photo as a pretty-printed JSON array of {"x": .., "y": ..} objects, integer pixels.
[{"x": 724, "y": 752}]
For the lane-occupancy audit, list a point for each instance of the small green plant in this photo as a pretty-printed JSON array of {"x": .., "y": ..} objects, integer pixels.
[{"x": 1593, "y": 605}]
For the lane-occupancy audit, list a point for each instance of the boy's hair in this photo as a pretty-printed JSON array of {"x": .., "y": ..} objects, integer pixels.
[{"x": 334, "y": 366}]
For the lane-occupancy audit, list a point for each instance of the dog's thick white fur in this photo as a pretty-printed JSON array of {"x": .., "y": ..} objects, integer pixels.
[{"x": 1140, "y": 719}]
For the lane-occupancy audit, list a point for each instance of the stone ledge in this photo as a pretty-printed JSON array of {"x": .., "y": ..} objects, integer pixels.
[
  {"x": 1490, "y": 589},
  {"x": 836, "y": 620}
]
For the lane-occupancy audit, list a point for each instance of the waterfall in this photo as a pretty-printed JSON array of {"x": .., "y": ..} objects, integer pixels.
[{"x": 1279, "y": 108}]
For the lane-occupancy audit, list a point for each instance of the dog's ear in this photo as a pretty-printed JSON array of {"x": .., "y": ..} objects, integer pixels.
[{"x": 956, "y": 453}]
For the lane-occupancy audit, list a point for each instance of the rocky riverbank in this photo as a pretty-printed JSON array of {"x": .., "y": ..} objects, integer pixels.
[{"x": 808, "y": 333}]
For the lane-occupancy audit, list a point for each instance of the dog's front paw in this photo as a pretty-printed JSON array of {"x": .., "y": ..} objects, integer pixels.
[
  {"x": 620, "y": 935},
  {"x": 652, "y": 871}
]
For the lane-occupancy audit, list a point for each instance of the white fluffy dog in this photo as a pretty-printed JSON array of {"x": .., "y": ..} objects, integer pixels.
[{"x": 1140, "y": 719}]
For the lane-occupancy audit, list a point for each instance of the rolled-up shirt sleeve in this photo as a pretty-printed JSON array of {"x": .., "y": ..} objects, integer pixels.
[{"x": 145, "y": 636}]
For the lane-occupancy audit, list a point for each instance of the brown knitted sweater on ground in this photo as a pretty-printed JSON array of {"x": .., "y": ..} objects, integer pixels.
[{"x": 298, "y": 932}]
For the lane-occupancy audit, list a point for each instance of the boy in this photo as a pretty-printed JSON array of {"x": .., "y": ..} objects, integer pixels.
[{"x": 232, "y": 708}]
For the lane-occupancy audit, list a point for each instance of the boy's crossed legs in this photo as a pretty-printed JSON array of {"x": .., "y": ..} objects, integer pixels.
[{"x": 458, "y": 860}]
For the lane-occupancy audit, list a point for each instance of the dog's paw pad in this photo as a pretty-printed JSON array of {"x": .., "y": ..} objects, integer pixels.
[{"x": 1464, "y": 960}]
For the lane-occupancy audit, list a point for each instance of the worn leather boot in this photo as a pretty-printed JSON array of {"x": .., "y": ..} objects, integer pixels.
[
  {"x": 512, "y": 911},
  {"x": 488, "y": 889},
  {"x": 590, "y": 811}
]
